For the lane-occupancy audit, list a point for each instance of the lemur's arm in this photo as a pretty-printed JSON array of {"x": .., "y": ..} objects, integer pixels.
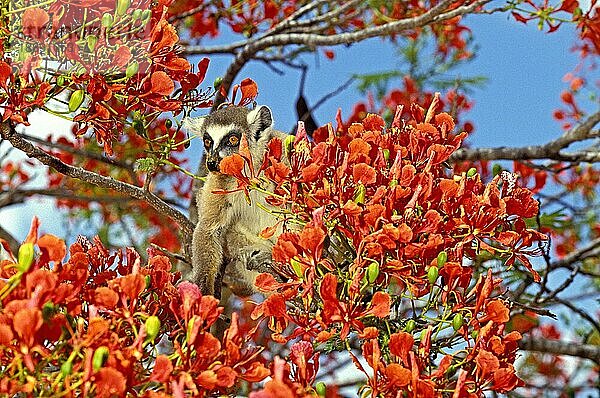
[{"x": 207, "y": 249}]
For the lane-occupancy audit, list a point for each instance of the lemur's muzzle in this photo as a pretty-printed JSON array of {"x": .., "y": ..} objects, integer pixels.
[{"x": 212, "y": 162}]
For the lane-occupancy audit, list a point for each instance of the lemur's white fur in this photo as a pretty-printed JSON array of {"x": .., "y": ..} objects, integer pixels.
[{"x": 226, "y": 241}]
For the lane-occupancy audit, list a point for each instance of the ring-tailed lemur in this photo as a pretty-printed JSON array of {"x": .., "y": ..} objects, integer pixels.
[{"x": 226, "y": 243}]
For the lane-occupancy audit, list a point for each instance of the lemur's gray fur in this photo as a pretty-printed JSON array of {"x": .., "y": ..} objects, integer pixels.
[{"x": 226, "y": 246}]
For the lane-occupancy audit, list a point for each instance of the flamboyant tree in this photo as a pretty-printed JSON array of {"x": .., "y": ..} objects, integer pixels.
[{"x": 418, "y": 265}]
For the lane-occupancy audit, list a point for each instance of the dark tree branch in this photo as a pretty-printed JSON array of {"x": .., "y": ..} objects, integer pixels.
[
  {"x": 16, "y": 196},
  {"x": 438, "y": 13},
  {"x": 552, "y": 150},
  {"x": 561, "y": 348},
  {"x": 79, "y": 152},
  {"x": 17, "y": 141},
  {"x": 592, "y": 249},
  {"x": 12, "y": 242}
]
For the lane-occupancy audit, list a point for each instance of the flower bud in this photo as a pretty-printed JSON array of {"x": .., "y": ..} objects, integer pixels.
[
  {"x": 99, "y": 358},
  {"x": 152, "y": 327},
  {"x": 136, "y": 14},
  {"x": 288, "y": 143},
  {"x": 25, "y": 258},
  {"x": 61, "y": 80},
  {"x": 496, "y": 169},
  {"x": 107, "y": 20},
  {"x": 132, "y": 69},
  {"x": 441, "y": 259},
  {"x": 457, "y": 321},
  {"x": 372, "y": 272},
  {"x": 76, "y": 100},
  {"x": 386, "y": 154},
  {"x": 432, "y": 274},
  {"x": 410, "y": 325},
  {"x": 217, "y": 82},
  {"x": 66, "y": 368},
  {"x": 146, "y": 14},
  {"x": 472, "y": 171},
  {"x": 122, "y": 6},
  {"x": 321, "y": 389},
  {"x": 91, "y": 42}
]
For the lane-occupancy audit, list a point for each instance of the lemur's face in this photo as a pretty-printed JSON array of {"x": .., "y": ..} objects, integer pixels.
[{"x": 220, "y": 142}]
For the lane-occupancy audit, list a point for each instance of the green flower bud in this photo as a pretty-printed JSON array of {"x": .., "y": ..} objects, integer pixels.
[
  {"x": 393, "y": 183},
  {"x": 146, "y": 14},
  {"x": 152, "y": 327},
  {"x": 66, "y": 368},
  {"x": 122, "y": 7},
  {"x": 168, "y": 123},
  {"x": 25, "y": 257},
  {"x": 496, "y": 169},
  {"x": 288, "y": 143},
  {"x": 48, "y": 310},
  {"x": 457, "y": 321},
  {"x": 76, "y": 100},
  {"x": 472, "y": 171},
  {"x": 321, "y": 389},
  {"x": 372, "y": 272},
  {"x": 432, "y": 274},
  {"x": 386, "y": 154},
  {"x": 136, "y": 14},
  {"x": 132, "y": 69},
  {"x": 217, "y": 82},
  {"x": 441, "y": 259},
  {"x": 107, "y": 20},
  {"x": 99, "y": 358},
  {"x": 410, "y": 325},
  {"x": 359, "y": 193},
  {"x": 91, "y": 42},
  {"x": 148, "y": 281},
  {"x": 61, "y": 80}
]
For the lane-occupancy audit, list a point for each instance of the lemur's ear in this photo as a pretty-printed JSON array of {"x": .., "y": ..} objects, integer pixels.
[
  {"x": 193, "y": 125},
  {"x": 259, "y": 120}
]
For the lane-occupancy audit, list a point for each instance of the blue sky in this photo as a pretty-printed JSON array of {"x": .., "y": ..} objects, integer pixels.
[{"x": 524, "y": 66}]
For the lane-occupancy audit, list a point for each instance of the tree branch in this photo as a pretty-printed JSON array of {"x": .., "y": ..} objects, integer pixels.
[
  {"x": 12, "y": 242},
  {"x": 16, "y": 196},
  {"x": 437, "y": 13},
  {"x": 8, "y": 133},
  {"x": 551, "y": 150},
  {"x": 561, "y": 348}
]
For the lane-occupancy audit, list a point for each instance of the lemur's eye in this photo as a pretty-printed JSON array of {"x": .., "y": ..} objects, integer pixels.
[
  {"x": 207, "y": 142},
  {"x": 234, "y": 140}
]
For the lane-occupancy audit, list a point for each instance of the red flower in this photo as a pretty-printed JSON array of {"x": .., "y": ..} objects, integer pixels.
[
  {"x": 52, "y": 248},
  {"x": 109, "y": 382},
  {"x": 34, "y": 22}
]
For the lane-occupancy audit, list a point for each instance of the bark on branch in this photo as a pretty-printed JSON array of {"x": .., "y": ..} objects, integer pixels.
[
  {"x": 553, "y": 150},
  {"x": 561, "y": 348},
  {"x": 438, "y": 13},
  {"x": 8, "y": 133}
]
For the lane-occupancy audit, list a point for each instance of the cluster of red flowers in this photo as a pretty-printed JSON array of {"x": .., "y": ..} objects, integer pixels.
[
  {"x": 92, "y": 325},
  {"x": 128, "y": 61},
  {"x": 386, "y": 252}
]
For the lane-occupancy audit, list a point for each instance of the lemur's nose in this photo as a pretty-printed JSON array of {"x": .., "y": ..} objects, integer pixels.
[{"x": 212, "y": 165}]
